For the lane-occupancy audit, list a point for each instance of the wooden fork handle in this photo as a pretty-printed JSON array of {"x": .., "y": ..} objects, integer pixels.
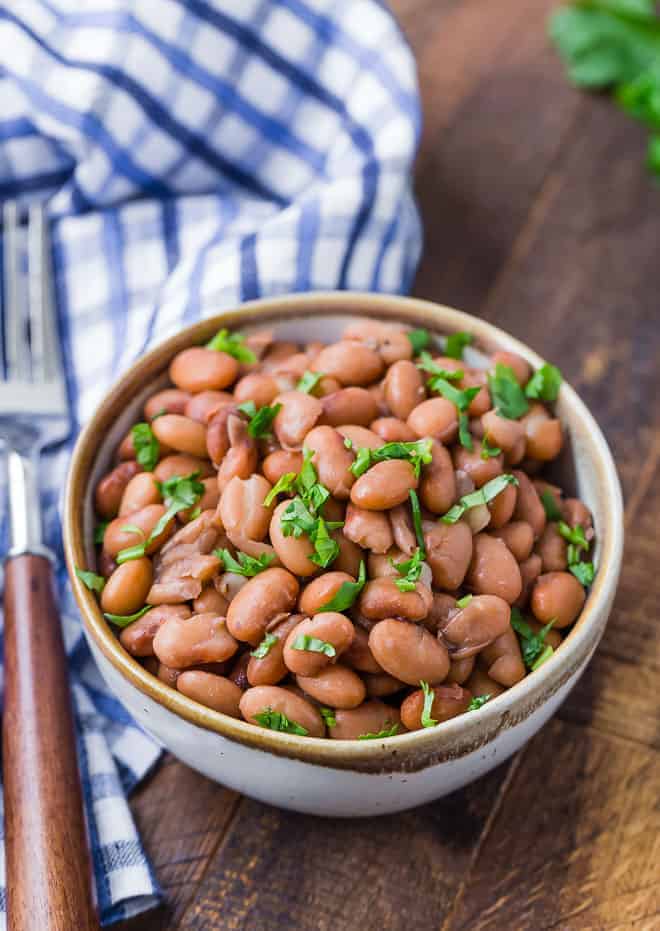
[{"x": 49, "y": 875}]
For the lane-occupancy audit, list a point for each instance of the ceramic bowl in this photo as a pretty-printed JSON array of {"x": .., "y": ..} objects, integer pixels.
[{"x": 320, "y": 776}]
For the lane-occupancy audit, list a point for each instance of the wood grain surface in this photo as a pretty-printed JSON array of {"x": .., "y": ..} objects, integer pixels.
[{"x": 539, "y": 216}]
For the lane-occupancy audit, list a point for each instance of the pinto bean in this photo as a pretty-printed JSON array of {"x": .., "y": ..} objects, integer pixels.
[
  {"x": 262, "y": 389},
  {"x": 202, "y": 638},
  {"x": 199, "y": 369},
  {"x": 322, "y": 590},
  {"x": 279, "y": 463},
  {"x": 519, "y": 366},
  {"x": 558, "y": 596},
  {"x": 552, "y": 548},
  {"x": 382, "y": 684},
  {"x": 530, "y": 570},
  {"x": 518, "y": 536},
  {"x": 480, "y": 403},
  {"x": 480, "y": 684},
  {"x": 359, "y": 656},
  {"x": 138, "y": 637},
  {"x": 443, "y": 607},
  {"x": 372, "y": 717},
  {"x": 502, "y": 432},
  {"x": 167, "y": 675},
  {"x": 369, "y": 529},
  {"x": 408, "y": 652},
  {"x": 295, "y": 553},
  {"x": 403, "y": 388},
  {"x": 543, "y": 434},
  {"x": 391, "y": 430},
  {"x": 437, "y": 487},
  {"x": 240, "y": 460},
  {"x": 335, "y": 686},
  {"x": 360, "y": 437},
  {"x": 493, "y": 569},
  {"x": 215, "y": 692},
  {"x": 575, "y": 512},
  {"x": 117, "y": 538},
  {"x": 501, "y": 508},
  {"x": 384, "y": 485},
  {"x": 349, "y": 405},
  {"x": 140, "y": 492},
  {"x": 460, "y": 670},
  {"x": 126, "y": 590},
  {"x": 272, "y": 592},
  {"x": 210, "y": 601},
  {"x": 168, "y": 401},
  {"x": 272, "y": 697},
  {"x": 197, "y": 536},
  {"x": 238, "y": 671},
  {"x": 200, "y": 567},
  {"x": 391, "y": 342},
  {"x": 503, "y": 660},
  {"x": 182, "y": 465},
  {"x": 330, "y": 627},
  {"x": 201, "y": 407},
  {"x": 436, "y": 418},
  {"x": 229, "y": 584},
  {"x": 448, "y": 702},
  {"x": 174, "y": 591},
  {"x": 332, "y": 460},
  {"x": 110, "y": 489},
  {"x": 380, "y": 599},
  {"x": 448, "y": 552},
  {"x": 528, "y": 504},
  {"x": 106, "y": 564},
  {"x": 271, "y": 668},
  {"x": 298, "y": 414},
  {"x": 350, "y": 555},
  {"x": 402, "y": 530},
  {"x": 480, "y": 470},
  {"x": 483, "y": 619},
  {"x": 242, "y": 510},
  {"x": 350, "y": 362}
]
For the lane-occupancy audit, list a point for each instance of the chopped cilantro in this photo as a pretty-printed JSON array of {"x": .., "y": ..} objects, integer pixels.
[
  {"x": 429, "y": 696},
  {"x": 123, "y": 620},
  {"x": 277, "y": 721},
  {"x": 419, "y": 339},
  {"x": 146, "y": 446},
  {"x": 264, "y": 647},
  {"x": 456, "y": 343},
  {"x": 508, "y": 397},
  {"x": 481, "y": 496},
  {"x": 544, "y": 383},
  {"x": 309, "y": 644},
  {"x": 261, "y": 421},
  {"x": 410, "y": 571},
  {"x": 328, "y": 715},
  {"x": 308, "y": 382},
  {"x": 245, "y": 565},
  {"x": 550, "y": 506},
  {"x": 346, "y": 594},
  {"x": 478, "y": 702},
  {"x": 417, "y": 453},
  {"x": 384, "y": 733},
  {"x": 233, "y": 344},
  {"x": 92, "y": 581}
]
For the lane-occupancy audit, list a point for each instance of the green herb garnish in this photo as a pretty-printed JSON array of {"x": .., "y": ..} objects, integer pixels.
[
  {"x": 328, "y": 715},
  {"x": 346, "y": 594},
  {"x": 427, "y": 364},
  {"x": 284, "y": 483},
  {"x": 277, "y": 721},
  {"x": 481, "y": 496},
  {"x": 92, "y": 581},
  {"x": 419, "y": 339},
  {"x": 410, "y": 571},
  {"x": 417, "y": 453},
  {"x": 233, "y": 344},
  {"x": 462, "y": 400},
  {"x": 309, "y": 382},
  {"x": 326, "y": 549},
  {"x": 133, "y": 528},
  {"x": 544, "y": 384},
  {"x": 550, "y": 506},
  {"x": 309, "y": 644},
  {"x": 478, "y": 702},
  {"x": 464, "y": 601},
  {"x": 532, "y": 645},
  {"x": 456, "y": 343},
  {"x": 417, "y": 521},
  {"x": 384, "y": 733},
  {"x": 123, "y": 620},
  {"x": 507, "y": 396},
  {"x": 264, "y": 647},
  {"x": 261, "y": 421},
  {"x": 584, "y": 572},
  {"x": 130, "y": 552},
  {"x": 147, "y": 447},
  {"x": 245, "y": 565},
  {"x": 429, "y": 696},
  {"x": 488, "y": 451},
  {"x": 577, "y": 541},
  {"x": 99, "y": 531}
]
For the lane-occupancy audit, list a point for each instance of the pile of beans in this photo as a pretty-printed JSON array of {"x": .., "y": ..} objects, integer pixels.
[{"x": 348, "y": 540}]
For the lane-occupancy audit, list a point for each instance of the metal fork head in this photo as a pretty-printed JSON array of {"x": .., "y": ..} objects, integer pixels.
[{"x": 33, "y": 401}]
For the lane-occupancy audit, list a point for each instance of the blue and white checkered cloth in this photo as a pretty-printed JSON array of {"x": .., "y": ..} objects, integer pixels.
[{"x": 195, "y": 153}]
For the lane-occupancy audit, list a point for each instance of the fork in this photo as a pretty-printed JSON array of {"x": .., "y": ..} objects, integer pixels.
[{"x": 49, "y": 876}]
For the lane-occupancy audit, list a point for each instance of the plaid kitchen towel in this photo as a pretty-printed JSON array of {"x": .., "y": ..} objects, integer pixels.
[{"x": 194, "y": 153}]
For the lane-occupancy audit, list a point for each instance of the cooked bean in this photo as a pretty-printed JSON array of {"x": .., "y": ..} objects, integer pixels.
[
  {"x": 543, "y": 433},
  {"x": 138, "y": 637},
  {"x": 240, "y": 460},
  {"x": 215, "y": 692},
  {"x": 369, "y": 529},
  {"x": 483, "y": 619},
  {"x": 202, "y": 638},
  {"x": 110, "y": 490},
  {"x": 197, "y": 536},
  {"x": 238, "y": 671},
  {"x": 443, "y": 607},
  {"x": 200, "y": 567},
  {"x": 272, "y": 592},
  {"x": 299, "y": 413},
  {"x": 199, "y": 369},
  {"x": 294, "y": 552},
  {"x": 210, "y": 601},
  {"x": 349, "y": 557},
  {"x": 518, "y": 536},
  {"x": 262, "y": 389},
  {"x": 201, "y": 406},
  {"x": 403, "y": 388},
  {"x": 480, "y": 470},
  {"x": 119, "y": 534},
  {"x": 493, "y": 569},
  {"x": 436, "y": 418},
  {"x": 335, "y": 686},
  {"x": 408, "y": 652},
  {"x": 437, "y": 487},
  {"x": 528, "y": 504},
  {"x": 279, "y": 463},
  {"x": 384, "y": 485},
  {"x": 332, "y": 460},
  {"x": 552, "y": 548},
  {"x": 126, "y": 590},
  {"x": 448, "y": 552},
  {"x": 271, "y": 668},
  {"x": 168, "y": 401},
  {"x": 380, "y": 599},
  {"x": 106, "y": 564},
  {"x": 460, "y": 670},
  {"x": 372, "y": 717},
  {"x": 126, "y": 448},
  {"x": 322, "y": 590},
  {"x": 274, "y": 698},
  {"x": 140, "y": 492},
  {"x": 382, "y": 684},
  {"x": 575, "y": 512},
  {"x": 330, "y": 627},
  {"x": 182, "y": 465},
  {"x": 480, "y": 403},
  {"x": 359, "y": 656},
  {"x": 242, "y": 510},
  {"x": 501, "y": 508},
  {"x": 174, "y": 591},
  {"x": 391, "y": 342},
  {"x": 530, "y": 570},
  {"x": 403, "y": 530},
  {"x": 350, "y": 362},
  {"x": 448, "y": 702},
  {"x": 503, "y": 660},
  {"x": 349, "y": 405},
  {"x": 167, "y": 675},
  {"x": 501, "y": 432},
  {"x": 229, "y": 584},
  {"x": 519, "y": 366},
  {"x": 557, "y": 596},
  {"x": 391, "y": 430},
  {"x": 481, "y": 684}
]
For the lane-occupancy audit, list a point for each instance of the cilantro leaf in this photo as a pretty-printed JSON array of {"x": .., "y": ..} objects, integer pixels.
[
  {"x": 488, "y": 451},
  {"x": 391, "y": 732},
  {"x": 550, "y": 506},
  {"x": 147, "y": 447},
  {"x": 284, "y": 483},
  {"x": 464, "y": 602},
  {"x": 328, "y": 715},
  {"x": 417, "y": 453},
  {"x": 92, "y": 581},
  {"x": 417, "y": 521},
  {"x": 478, "y": 702},
  {"x": 99, "y": 531},
  {"x": 532, "y": 645},
  {"x": 278, "y": 721},
  {"x": 296, "y": 519},
  {"x": 346, "y": 594},
  {"x": 264, "y": 647},
  {"x": 131, "y": 552},
  {"x": 309, "y": 381},
  {"x": 419, "y": 339},
  {"x": 584, "y": 572},
  {"x": 545, "y": 383},
  {"x": 456, "y": 343},
  {"x": 309, "y": 644},
  {"x": 326, "y": 549},
  {"x": 429, "y": 696},
  {"x": 462, "y": 400},
  {"x": 426, "y": 364},
  {"x": 573, "y": 535},
  {"x": 245, "y": 565},
  {"x": 233, "y": 344},
  {"x": 410, "y": 570},
  {"x": 481, "y": 496},
  {"x": 123, "y": 620},
  {"x": 261, "y": 420},
  {"x": 508, "y": 397}
]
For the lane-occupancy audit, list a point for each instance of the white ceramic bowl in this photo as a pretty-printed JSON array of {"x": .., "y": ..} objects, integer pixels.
[{"x": 327, "y": 777}]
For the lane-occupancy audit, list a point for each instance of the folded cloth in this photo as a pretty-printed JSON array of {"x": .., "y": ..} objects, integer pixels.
[{"x": 194, "y": 154}]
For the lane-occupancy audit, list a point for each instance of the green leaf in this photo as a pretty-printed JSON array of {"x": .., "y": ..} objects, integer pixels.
[
  {"x": 249, "y": 408},
  {"x": 550, "y": 506},
  {"x": 463, "y": 602},
  {"x": 328, "y": 715},
  {"x": 245, "y": 565},
  {"x": 133, "y": 528},
  {"x": 574, "y": 536},
  {"x": 545, "y": 383},
  {"x": 94, "y": 582},
  {"x": 296, "y": 519},
  {"x": 99, "y": 531},
  {"x": 464, "y": 435},
  {"x": 545, "y": 655},
  {"x": 481, "y": 496},
  {"x": 532, "y": 645},
  {"x": 478, "y": 702},
  {"x": 233, "y": 344},
  {"x": 277, "y": 721},
  {"x": 309, "y": 382},
  {"x": 147, "y": 447},
  {"x": 346, "y": 594},
  {"x": 429, "y": 695},
  {"x": 284, "y": 483},
  {"x": 584, "y": 572},
  {"x": 391, "y": 732},
  {"x": 130, "y": 552},
  {"x": 264, "y": 647},
  {"x": 326, "y": 549},
  {"x": 456, "y": 343},
  {"x": 508, "y": 397},
  {"x": 462, "y": 399},
  {"x": 410, "y": 571},
  {"x": 261, "y": 421},
  {"x": 309, "y": 644},
  {"x": 419, "y": 339},
  {"x": 179, "y": 494},
  {"x": 417, "y": 521},
  {"x": 488, "y": 451},
  {"x": 418, "y": 453},
  {"x": 123, "y": 620},
  {"x": 426, "y": 364}
]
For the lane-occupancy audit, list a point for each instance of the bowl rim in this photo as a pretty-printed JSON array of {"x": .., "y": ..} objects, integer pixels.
[{"x": 450, "y": 739}]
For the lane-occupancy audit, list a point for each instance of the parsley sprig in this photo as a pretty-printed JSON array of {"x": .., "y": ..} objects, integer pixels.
[
  {"x": 506, "y": 394},
  {"x": 409, "y": 571},
  {"x": 260, "y": 421},
  {"x": 419, "y": 340},
  {"x": 233, "y": 344},
  {"x": 92, "y": 581},
  {"x": 544, "y": 384},
  {"x": 456, "y": 342},
  {"x": 550, "y": 506},
  {"x": 146, "y": 446},
  {"x": 347, "y": 593},
  {"x": 309, "y": 382},
  {"x": 577, "y": 541},
  {"x": 418, "y": 453},
  {"x": 535, "y": 651},
  {"x": 123, "y": 620},
  {"x": 481, "y": 496},
  {"x": 243, "y": 564},
  {"x": 428, "y": 365},
  {"x": 278, "y": 721},
  {"x": 478, "y": 702},
  {"x": 264, "y": 648}
]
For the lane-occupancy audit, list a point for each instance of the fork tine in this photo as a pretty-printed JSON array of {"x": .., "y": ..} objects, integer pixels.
[
  {"x": 46, "y": 355},
  {"x": 17, "y": 350}
]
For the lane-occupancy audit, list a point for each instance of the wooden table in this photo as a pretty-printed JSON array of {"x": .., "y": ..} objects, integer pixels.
[{"x": 539, "y": 216}]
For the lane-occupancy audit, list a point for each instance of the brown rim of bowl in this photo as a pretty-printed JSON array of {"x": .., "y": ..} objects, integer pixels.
[{"x": 450, "y": 739}]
